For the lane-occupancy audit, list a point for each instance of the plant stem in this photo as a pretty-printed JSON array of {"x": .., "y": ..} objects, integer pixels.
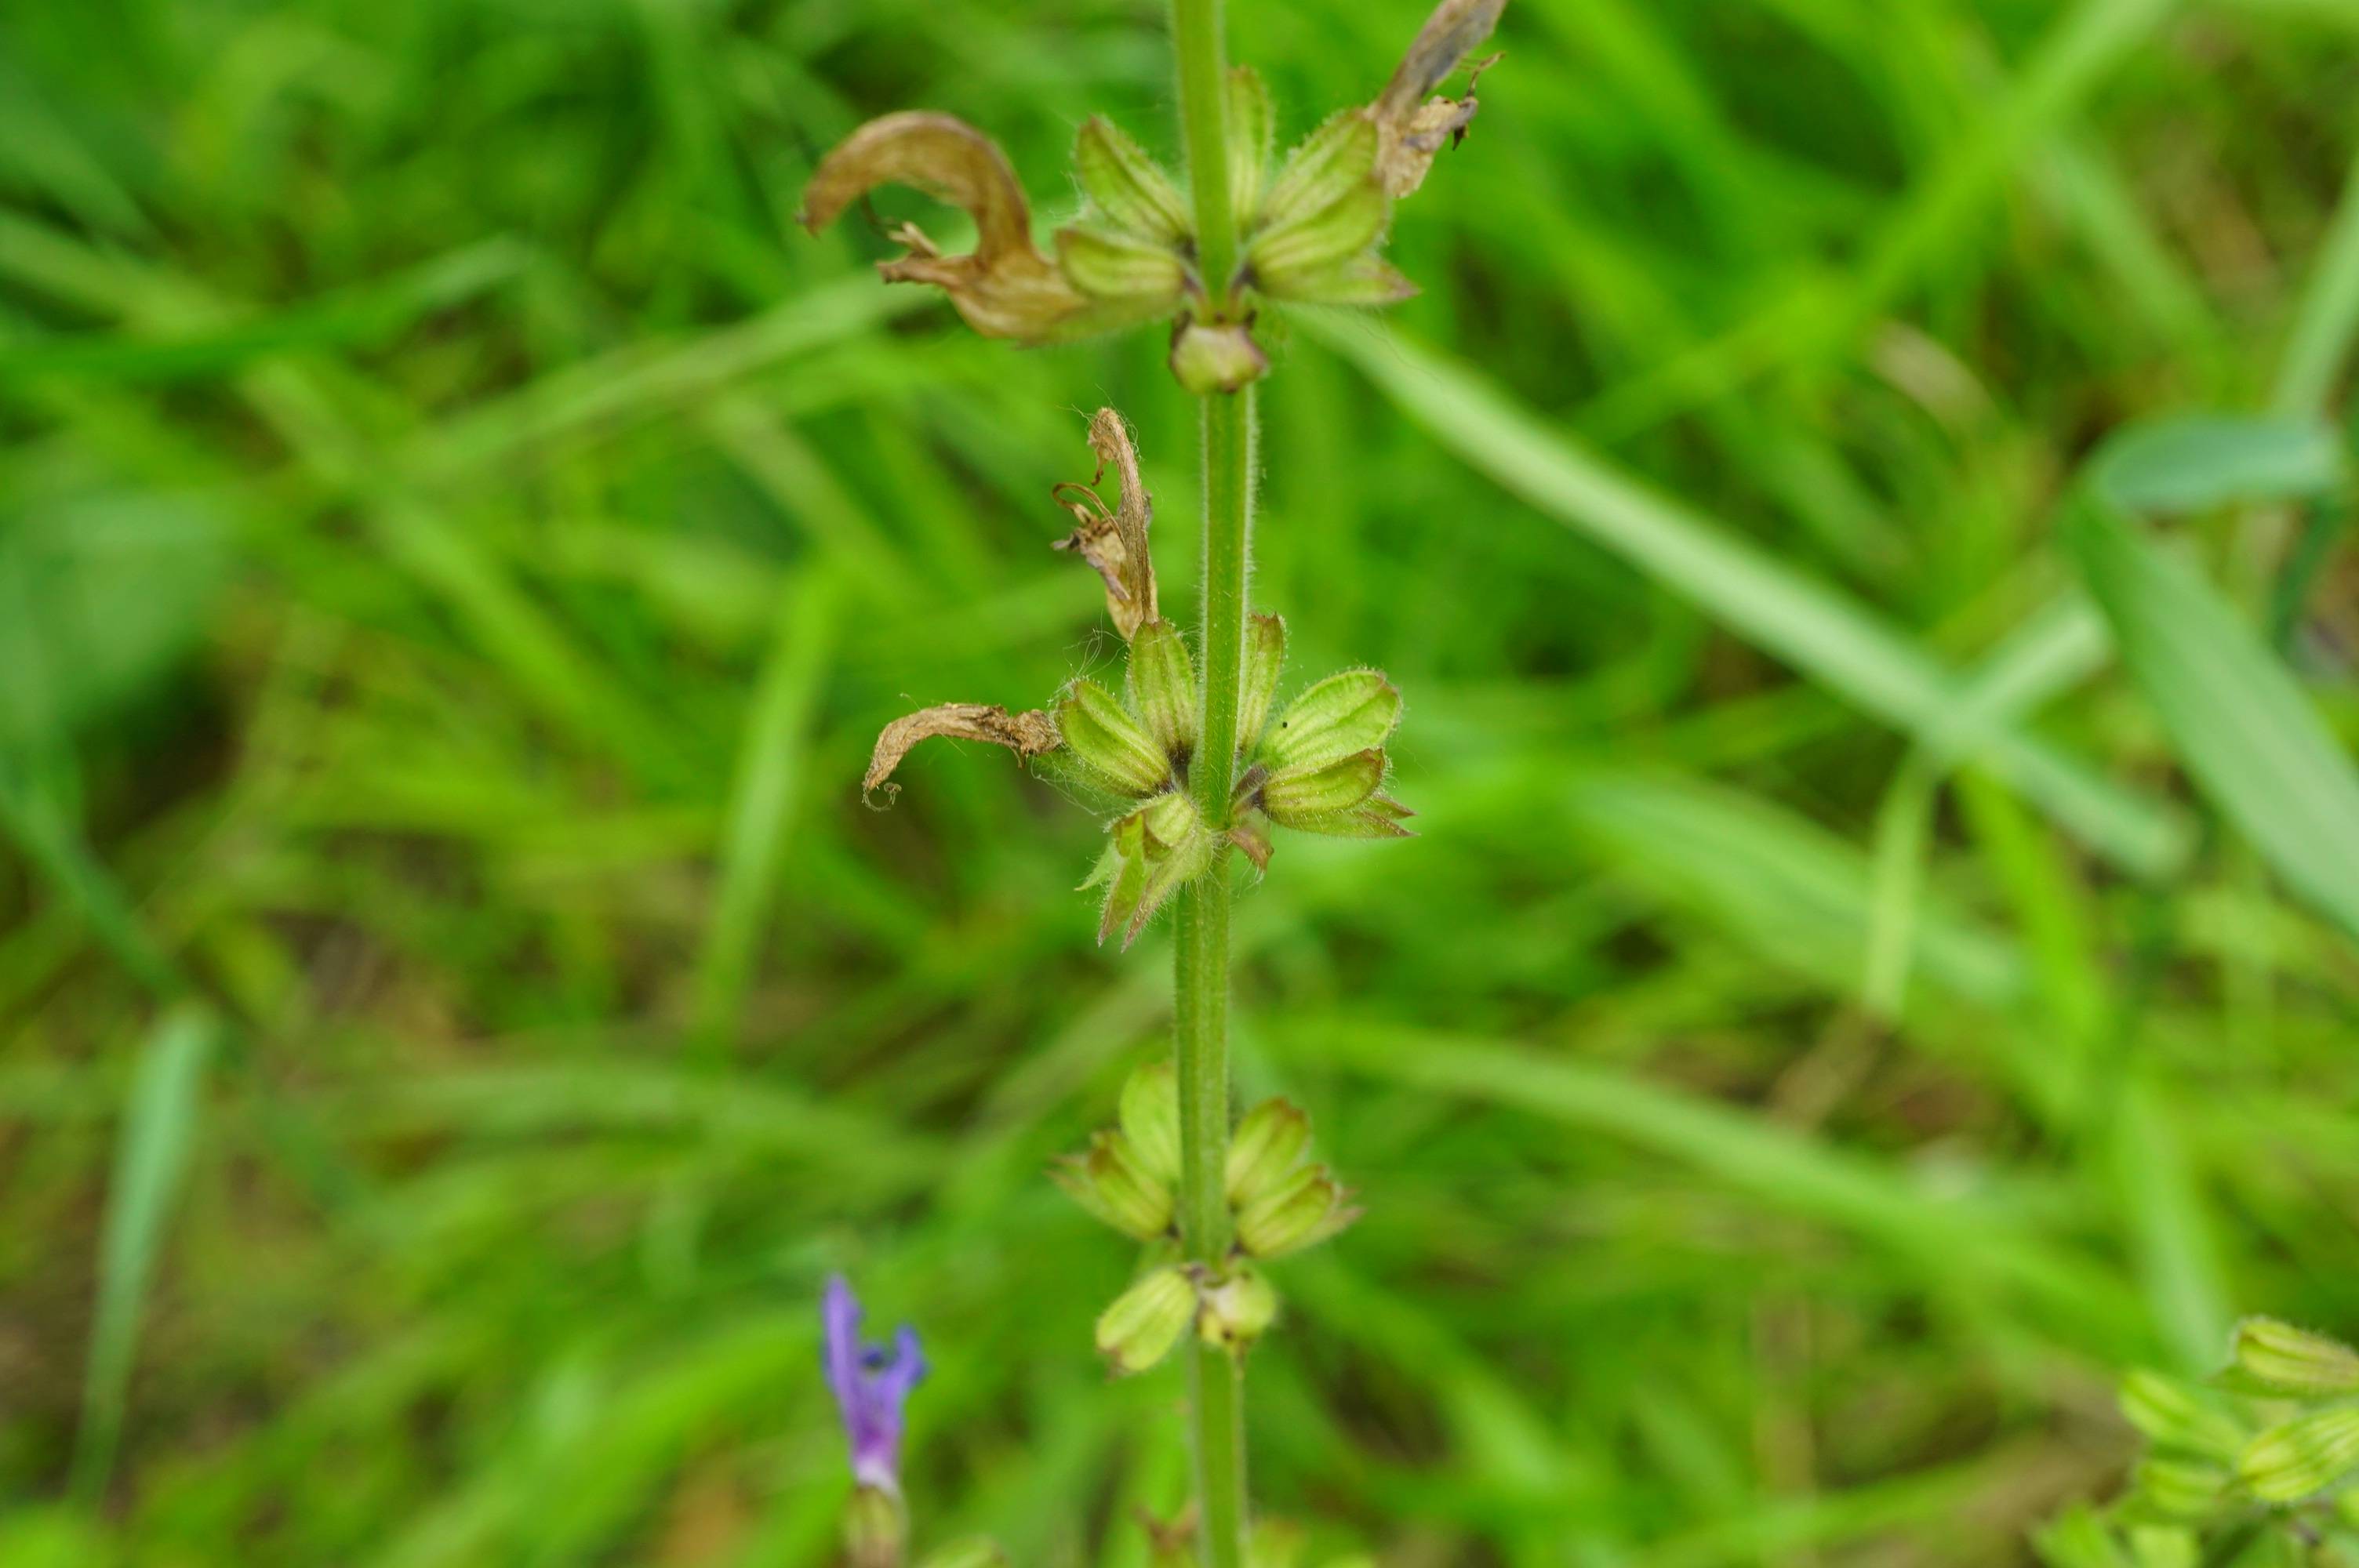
[
  {"x": 1216, "y": 1379},
  {"x": 1204, "y": 126},
  {"x": 1200, "y": 972},
  {"x": 1201, "y": 1009}
]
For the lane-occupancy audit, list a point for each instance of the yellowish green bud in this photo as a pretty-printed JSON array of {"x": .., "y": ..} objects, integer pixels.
[
  {"x": 2175, "y": 1416},
  {"x": 1123, "y": 871},
  {"x": 1109, "y": 264},
  {"x": 1313, "y": 794},
  {"x": 1364, "y": 280},
  {"x": 2274, "y": 1357},
  {"x": 1128, "y": 186},
  {"x": 1146, "y": 1320},
  {"x": 1106, "y": 738},
  {"x": 1345, "y": 713},
  {"x": 1300, "y": 1212},
  {"x": 1265, "y": 657},
  {"x": 1285, "y": 254},
  {"x": 1267, "y": 1145},
  {"x": 2301, "y": 1456},
  {"x": 2079, "y": 1538},
  {"x": 1149, "y": 1114},
  {"x": 2164, "y": 1546},
  {"x": 2181, "y": 1488},
  {"x": 1216, "y": 357},
  {"x": 1251, "y": 132},
  {"x": 1114, "y": 1186},
  {"x": 1333, "y": 162},
  {"x": 1379, "y": 817},
  {"x": 1235, "y": 1311},
  {"x": 1158, "y": 849},
  {"x": 1188, "y": 860},
  {"x": 1171, "y": 820},
  {"x": 977, "y": 1552},
  {"x": 1163, "y": 687}
]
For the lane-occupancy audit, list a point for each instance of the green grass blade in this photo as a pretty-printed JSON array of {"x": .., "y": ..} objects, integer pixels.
[
  {"x": 150, "y": 1154},
  {"x": 2328, "y": 318},
  {"x": 770, "y": 775},
  {"x": 2236, "y": 715},
  {"x": 1780, "y": 1168},
  {"x": 1836, "y": 641},
  {"x": 2197, "y": 461}
]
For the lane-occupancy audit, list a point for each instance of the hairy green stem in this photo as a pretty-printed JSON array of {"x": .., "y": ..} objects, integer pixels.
[
  {"x": 1204, "y": 126},
  {"x": 1201, "y": 975},
  {"x": 1200, "y": 970}
]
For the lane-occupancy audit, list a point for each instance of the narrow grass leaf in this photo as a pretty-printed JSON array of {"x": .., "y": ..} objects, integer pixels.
[
  {"x": 1821, "y": 632},
  {"x": 2238, "y": 717},
  {"x": 150, "y": 1154}
]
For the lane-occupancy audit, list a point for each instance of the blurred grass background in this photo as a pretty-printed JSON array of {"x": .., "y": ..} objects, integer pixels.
[{"x": 457, "y": 542}]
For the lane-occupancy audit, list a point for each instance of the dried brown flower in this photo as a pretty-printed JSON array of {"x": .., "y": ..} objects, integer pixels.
[
  {"x": 1005, "y": 286},
  {"x": 1026, "y": 734},
  {"x": 1112, "y": 539}
]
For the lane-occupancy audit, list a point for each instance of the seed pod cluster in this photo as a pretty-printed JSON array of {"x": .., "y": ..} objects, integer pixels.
[
  {"x": 1312, "y": 231},
  {"x": 2264, "y": 1456}
]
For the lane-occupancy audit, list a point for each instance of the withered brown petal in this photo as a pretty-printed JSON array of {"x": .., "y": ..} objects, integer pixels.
[
  {"x": 1005, "y": 288},
  {"x": 1413, "y": 130},
  {"x": 1115, "y": 543},
  {"x": 1026, "y": 734}
]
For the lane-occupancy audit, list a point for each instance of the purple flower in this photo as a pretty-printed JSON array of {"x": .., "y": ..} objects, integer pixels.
[{"x": 870, "y": 1388}]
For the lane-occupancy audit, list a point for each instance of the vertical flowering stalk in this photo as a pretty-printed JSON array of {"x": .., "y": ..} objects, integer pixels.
[
  {"x": 1188, "y": 760},
  {"x": 1200, "y": 936}
]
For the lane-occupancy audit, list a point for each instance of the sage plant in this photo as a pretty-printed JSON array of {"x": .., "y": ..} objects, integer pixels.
[{"x": 1194, "y": 757}]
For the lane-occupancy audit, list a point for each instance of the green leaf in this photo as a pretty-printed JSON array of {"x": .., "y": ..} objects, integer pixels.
[
  {"x": 1837, "y": 641},
  {"x": 2237, "y": 715},
  {"x": 150, "y": 1154},
  {"x": 2200, "y": 461}
]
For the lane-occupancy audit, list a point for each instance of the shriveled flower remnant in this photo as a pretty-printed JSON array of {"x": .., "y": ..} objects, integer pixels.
[
  {"x": 1312, "y": 230},
  {"x": 1319, "y": 766}
]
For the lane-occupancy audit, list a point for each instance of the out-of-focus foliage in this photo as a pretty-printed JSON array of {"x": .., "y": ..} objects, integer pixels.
[{"x": 457, "y": 541}]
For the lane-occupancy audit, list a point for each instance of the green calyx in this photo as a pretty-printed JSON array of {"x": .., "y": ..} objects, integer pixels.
[
  {"x": 1281, "y": 1202},
  {"x": 1311, "y": 233},
  {"x": 1128, "y": 1178},
  {"x": 2274, "y": 1357},
  {"x": 2265, "y": 1455},
  {"x": 1116, "y": 1184},
  {"x": 1146, "y": 1320},
  {"x": 1321, "y": 766}
]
